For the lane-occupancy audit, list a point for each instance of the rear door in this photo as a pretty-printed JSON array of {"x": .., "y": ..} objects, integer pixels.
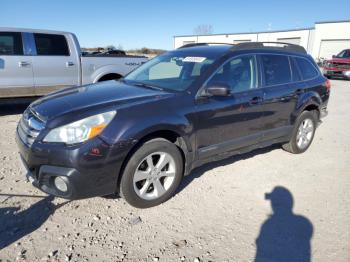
[
  {"x": 280, "y": 94},
  {"x": 16, "y": 71},
  {"x": 55, "y": 65}
]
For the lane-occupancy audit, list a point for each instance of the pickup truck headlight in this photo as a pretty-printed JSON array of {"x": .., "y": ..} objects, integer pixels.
[
  {"x": 81, "y": 130},
  {"x": 327, "y": 64}
]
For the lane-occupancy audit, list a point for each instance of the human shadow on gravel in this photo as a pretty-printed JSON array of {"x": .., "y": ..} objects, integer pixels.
[
  {"x": 222, "y": 161},
  {"x": 284, "y": 236},
  {"x": 15, "y": 225}
]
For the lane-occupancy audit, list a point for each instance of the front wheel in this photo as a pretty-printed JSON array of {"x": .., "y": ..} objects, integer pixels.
[
  {"x": 303, "y": 133},
  {"x": 152, "y": 174}
]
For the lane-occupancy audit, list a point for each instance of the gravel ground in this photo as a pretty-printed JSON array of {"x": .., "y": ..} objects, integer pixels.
[{"x": 217, "y": 215}]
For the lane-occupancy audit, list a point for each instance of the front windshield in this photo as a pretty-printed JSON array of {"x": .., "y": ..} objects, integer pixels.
[
  {"x": 344, "y": 54},
  {"x": 170, "y": 71}
]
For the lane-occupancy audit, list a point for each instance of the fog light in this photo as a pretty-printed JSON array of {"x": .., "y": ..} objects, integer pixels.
[{"x": 60, "y": 184}]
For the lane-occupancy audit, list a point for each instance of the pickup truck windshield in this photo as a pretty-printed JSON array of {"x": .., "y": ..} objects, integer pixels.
[
  {"x": 170, "y": 71},
  {"x": 344, "y": 54}
]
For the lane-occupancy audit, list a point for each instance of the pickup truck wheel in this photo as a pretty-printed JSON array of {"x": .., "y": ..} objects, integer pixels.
[
  {"x": 303, "y": 133},
  {"x": 152, "y": 174}
]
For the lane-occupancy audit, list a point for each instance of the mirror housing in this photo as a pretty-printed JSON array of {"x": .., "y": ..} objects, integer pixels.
[
  {"x": 218, "y": 89},
  {"x": 334, "y": 56}
]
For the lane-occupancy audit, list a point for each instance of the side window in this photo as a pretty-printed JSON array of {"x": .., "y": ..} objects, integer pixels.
[
  {"x": 11, "y": 43},
  {"x": 51, "y": 45},
  {"x": 295, "y": 70},
  {"x": 239, "y": 74},
  {"x": 276, "y": 69},
  {"x": 307, "y": 70}
]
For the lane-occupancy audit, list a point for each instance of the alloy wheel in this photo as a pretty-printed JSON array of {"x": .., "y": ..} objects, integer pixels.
[
  {"x": 154, "y": 175},
  {"x": 305, "y": 133}
]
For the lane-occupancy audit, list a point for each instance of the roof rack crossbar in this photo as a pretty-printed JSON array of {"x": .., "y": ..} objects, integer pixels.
[{"x": 270, "y": 45}]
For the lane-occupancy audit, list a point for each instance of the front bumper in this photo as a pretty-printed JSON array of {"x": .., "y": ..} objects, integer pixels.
[
  {"x": 90, "y": 169},
  {"x": 336, "y": 72}
]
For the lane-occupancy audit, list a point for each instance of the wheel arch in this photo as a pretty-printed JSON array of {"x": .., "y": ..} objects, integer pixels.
[
  {"x": 109, "y": 76},
  {"x": 308, "y": 102},
  {"x": 107, "y": 70},
  {"x": 164, "y": 133}
]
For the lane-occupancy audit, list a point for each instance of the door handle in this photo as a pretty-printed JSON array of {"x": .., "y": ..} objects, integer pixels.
[
  {"x": 255, "y": 100},
  {"x": 23, "y": 64},
  {"x": 69, "y": 64}
]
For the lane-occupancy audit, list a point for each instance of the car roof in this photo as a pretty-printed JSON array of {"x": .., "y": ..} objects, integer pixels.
[
  {"x": 28, "y": 30},
  {"x": 212, "y": 49}
]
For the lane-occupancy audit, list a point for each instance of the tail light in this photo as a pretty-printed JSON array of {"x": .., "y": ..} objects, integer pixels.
[{"x": 327, "y": 84}]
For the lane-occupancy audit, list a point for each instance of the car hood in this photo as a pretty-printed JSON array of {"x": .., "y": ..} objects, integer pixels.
[
  {"x": 340, "y": 60},
  {"x": 94, "y": 96}
]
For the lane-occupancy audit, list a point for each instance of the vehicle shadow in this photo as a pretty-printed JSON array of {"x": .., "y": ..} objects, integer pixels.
[
  {"x": 14, "y": 107},
  {"x": 199, "y": 171},
  {"x": 284, "y": 236},
  {"x": 14, "y": 225}
]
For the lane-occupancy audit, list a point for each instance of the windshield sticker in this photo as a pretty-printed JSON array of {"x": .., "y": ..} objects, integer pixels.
[{"x": 194, "y": 59}]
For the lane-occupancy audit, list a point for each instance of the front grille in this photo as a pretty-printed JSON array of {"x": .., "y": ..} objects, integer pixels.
[
  {"x": 29, "y": 127},
  {"x": 339, "y": 65}
]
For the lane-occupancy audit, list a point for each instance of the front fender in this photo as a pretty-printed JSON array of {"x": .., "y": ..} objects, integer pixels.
[{"x": 134, "y": 127}]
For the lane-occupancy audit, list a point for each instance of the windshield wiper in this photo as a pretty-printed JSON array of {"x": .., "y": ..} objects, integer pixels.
[{"x": 141, "y": 84}]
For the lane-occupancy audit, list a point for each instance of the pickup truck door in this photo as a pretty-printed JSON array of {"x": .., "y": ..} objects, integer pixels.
[
  {"x": 16, "y": 71},
  {"x": 56, "y": 64}
]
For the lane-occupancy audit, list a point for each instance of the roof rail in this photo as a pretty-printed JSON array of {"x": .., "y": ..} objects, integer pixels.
[
  {"x": 270, "y": 45},
  {"x": 255, "y": 45},
  {"x": 202, "y": 44}
]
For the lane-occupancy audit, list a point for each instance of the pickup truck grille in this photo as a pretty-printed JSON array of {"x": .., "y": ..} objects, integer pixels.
[
  {"x": 29, "y": 127},
  {"x": 339, "y": 65}
]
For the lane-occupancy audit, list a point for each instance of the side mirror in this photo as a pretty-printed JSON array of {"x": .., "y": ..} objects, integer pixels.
[
  {"x": 218, "y": 89},
  {"x": 334, "y": 56}
]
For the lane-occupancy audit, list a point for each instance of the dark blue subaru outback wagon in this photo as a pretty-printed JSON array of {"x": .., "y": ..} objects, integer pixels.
[{"x": 140, "y": 135}]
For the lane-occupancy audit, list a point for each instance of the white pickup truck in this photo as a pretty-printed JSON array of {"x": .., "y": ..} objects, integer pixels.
[{"x": 36, "y": 62}]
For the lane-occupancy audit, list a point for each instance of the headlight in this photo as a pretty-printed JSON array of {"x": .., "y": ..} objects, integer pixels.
[
  {"x": 81, "y": 130},
  {"x": 327, "y": 64}
]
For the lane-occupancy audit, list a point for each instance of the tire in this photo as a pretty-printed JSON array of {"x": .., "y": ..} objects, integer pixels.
[
  {"x": 295, "y": 145},
  {"x": 152, "y": 174}
]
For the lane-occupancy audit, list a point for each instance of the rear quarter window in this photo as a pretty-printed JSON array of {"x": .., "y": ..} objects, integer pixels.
[
  {"x": 307, "y": 69},
  {"x": 296, "y": 75},
  {"x": 276, "y": 69},
  {"x": 51, "y": 45}
]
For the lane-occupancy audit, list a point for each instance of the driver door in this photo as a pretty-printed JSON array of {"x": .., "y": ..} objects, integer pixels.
[{"x": 226, "y": 123}]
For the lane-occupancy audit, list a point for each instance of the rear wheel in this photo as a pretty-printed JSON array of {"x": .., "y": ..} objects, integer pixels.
[
  {"x": 303, "y": 133},
  {"x": 152, "y": 174}
]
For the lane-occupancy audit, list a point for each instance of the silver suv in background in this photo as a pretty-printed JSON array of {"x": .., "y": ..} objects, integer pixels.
[{"x": 36, "y": 62}]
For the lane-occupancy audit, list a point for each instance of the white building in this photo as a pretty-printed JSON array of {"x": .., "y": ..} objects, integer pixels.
[{"x": 321, "y": 41}]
